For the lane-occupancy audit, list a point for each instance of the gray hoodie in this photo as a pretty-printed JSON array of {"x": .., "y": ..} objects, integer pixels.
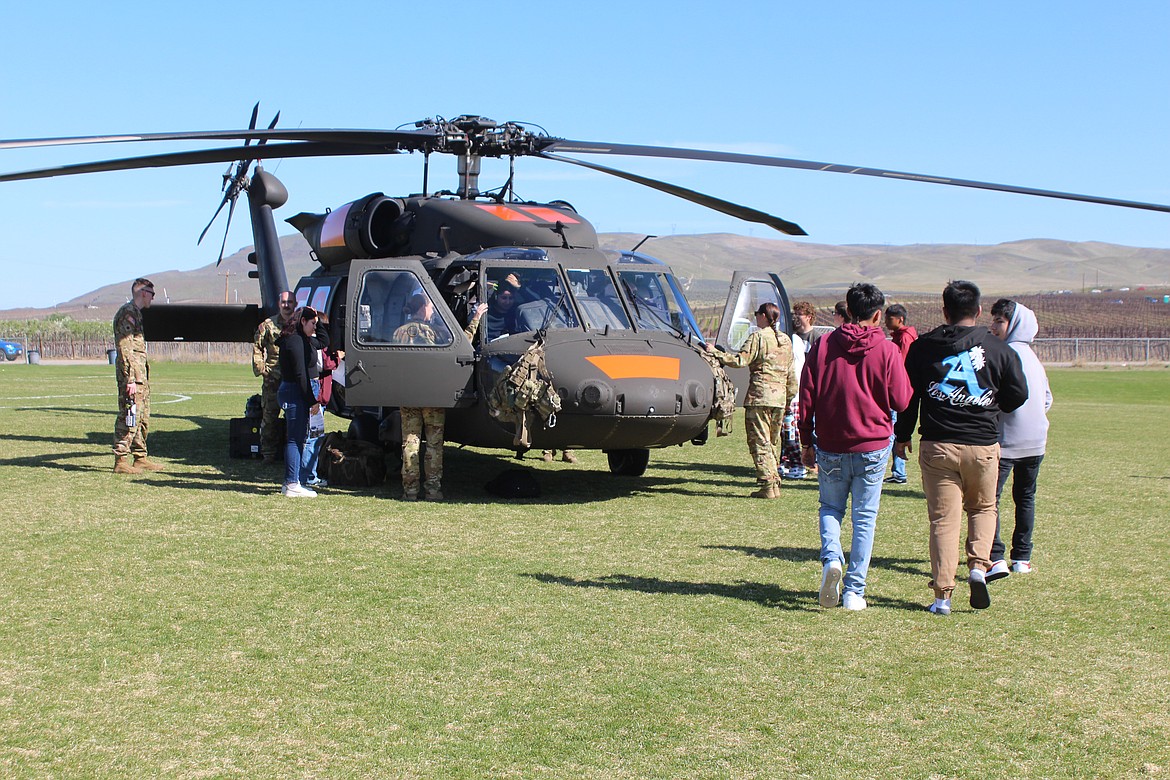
[{"x": 1025, "y": 431}]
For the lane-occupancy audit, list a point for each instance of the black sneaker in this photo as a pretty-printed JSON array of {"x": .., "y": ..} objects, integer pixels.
[
  {"x": 894, "y": 480},
  {"x": 980, "y": 598}
]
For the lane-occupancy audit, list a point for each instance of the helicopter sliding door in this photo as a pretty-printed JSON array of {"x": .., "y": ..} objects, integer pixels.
[
  {"x": 749, "y": 290},
  {"x": 404, "y": 346}
]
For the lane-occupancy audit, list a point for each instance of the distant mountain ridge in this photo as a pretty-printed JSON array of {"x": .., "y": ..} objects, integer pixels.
[{"x": 705, "y": 263}]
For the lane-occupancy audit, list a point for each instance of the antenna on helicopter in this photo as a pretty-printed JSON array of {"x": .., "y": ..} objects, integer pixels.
[{"x": 643, "y": 241}]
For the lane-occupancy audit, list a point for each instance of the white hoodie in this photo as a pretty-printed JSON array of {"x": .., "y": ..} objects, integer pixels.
[{"x": 1025, "y": 431}]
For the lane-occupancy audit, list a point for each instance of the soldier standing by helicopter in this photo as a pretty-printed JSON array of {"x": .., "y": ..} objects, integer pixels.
[
  {"x": 416, "y": 421},
  {"x": 266, "y": 364},
  {"x": 767, "y": 353},
  {"x": 133, "y": 372}
]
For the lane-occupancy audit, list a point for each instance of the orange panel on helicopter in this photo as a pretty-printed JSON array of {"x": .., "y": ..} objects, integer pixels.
[
  {"x": 636, "y": 366},
  {"x": 506, "y": 213},
  {"x": 550, "y": 215}
]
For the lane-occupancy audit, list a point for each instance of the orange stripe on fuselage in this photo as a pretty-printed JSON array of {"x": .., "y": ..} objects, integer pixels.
[
  {"x": 636, "y": 366},
  {"x": 504, "y": 212},
  {"x": 550, "y": 215}
]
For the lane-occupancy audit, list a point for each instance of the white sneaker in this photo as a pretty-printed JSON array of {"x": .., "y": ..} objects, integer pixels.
[
  {"x": 941, "y": 607},
  {"x": 831, "y": 584},
  {"x": 998, "y": 570},
  {"x": 1022, "y": 567},
  {"x": 854, "y": 601},
  {"x": 296, "y": 490}
]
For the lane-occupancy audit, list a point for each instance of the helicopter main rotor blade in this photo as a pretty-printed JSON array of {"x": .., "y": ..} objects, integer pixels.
[
  {"x": 267, "y": 152},
  {"x": 419, "y": 139},
  {"x": 711, "y": 202},
  {"x": 562, "y": 146}
]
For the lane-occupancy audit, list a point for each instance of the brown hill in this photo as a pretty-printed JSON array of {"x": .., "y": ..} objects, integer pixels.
[{"x": 705, "y": 263}]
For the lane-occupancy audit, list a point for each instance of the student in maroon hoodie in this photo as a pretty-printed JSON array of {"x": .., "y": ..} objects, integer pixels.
[
  {"x": 903, "y": 335},
  {"x": 852, "y": 379}
]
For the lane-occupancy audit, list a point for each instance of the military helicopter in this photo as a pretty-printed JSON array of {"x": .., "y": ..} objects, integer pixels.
[{"x": 620, "y": 341}]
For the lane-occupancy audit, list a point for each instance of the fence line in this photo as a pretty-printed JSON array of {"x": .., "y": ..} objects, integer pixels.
[{"x": 1066, "y": 351}]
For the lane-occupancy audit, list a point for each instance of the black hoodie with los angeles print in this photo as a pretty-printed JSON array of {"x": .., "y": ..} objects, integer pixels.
[{"x": 963, "y": 378}]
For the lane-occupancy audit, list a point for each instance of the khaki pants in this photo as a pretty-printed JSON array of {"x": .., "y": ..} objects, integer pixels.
[{"x": 958, "y": 478}]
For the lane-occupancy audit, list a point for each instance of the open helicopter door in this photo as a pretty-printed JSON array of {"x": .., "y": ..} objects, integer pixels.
[
  {"x": 392, "y": 360},
  {"x": 749, "y": 290}
]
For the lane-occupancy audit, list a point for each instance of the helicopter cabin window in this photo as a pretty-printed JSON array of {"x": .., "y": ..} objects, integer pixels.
[
  {"x": 394, "y": 309},
  {"x": 598, "y": 300},
  {"x": 751, "y": 296},
  {"x": 521, "y": 300}
]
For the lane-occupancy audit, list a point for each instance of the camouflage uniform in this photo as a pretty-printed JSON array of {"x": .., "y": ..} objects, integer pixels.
[
  {"x": 266, "y": 363},
  {"x": 416, "y": 421},
  {"x": 768, "y": 355},
  {"x": 132, "y": 366}
]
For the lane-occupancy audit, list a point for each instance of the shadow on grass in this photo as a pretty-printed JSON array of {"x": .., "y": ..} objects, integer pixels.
[
  {"x": 766, "y": 595},
  {"x": 911, "y": 566},
  {"x": 769, "y": 596},
  {"x": 188, "y": 446}
]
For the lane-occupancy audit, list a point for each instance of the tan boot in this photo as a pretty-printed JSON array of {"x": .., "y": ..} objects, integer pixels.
[
  {"x": 547, "y": 456},
  {"x": 568, "y": 456},
  {"x": 122, "y": 465},
  {"x": 771, "y": 490},
  {"x": 434, "y": 495},
  {"x": 146, "y": 464}
]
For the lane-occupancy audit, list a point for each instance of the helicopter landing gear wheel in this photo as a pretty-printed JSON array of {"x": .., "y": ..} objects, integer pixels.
[{"x": 628, "y": 463}]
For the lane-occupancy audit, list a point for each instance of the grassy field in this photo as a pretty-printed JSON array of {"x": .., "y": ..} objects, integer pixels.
[{"x": 193, "y": 623}]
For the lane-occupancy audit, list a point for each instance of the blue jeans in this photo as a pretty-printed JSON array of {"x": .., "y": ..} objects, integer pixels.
[
  {"x": 312, "y": 448},
  {"x": 856, "y": 474},
  {"x": 1026, "y": 471},
  {"x": 899, "y": 467},
  {"x": 296, "y": 426}
]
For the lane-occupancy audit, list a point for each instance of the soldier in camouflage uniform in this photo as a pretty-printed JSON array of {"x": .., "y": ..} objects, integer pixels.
[
  {"x": 415, "y": 421},
  {"x": 768, "y": 355},
  {"x": 133, "y": 372},
  {"x": 266, "y": 363}
]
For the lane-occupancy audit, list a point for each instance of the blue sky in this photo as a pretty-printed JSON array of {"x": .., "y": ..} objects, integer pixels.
[{"x": 1069, "y": 96}]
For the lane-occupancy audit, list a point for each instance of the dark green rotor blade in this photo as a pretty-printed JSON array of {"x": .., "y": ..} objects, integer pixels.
[
  {"x": 420, "y": 140},
  {"x": 711, "y": 202},
  {"x": 265, "y": 152},
  {"x": 563, "y": 146}
]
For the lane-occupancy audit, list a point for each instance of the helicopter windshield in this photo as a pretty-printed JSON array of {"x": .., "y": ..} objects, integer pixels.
[
  {"x": 657, "y": 302},
  {"x": 521, "y": 300},
  {"x": 597, "y": 298}
]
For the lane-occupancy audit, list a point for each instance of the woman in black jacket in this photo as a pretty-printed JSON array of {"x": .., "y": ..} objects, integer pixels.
[{"x": 298, "y": 367}]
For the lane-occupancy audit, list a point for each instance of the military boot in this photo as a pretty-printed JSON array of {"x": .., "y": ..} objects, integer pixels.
[
  {"x": 434, "y": 495},
  {"x": 770, "y": 490},
  {"x": 568, "y": 456},
  {"x": 146, "y": 464},
  {"x": 122, "y": 465},
  {"x": 547, "y": 455}
]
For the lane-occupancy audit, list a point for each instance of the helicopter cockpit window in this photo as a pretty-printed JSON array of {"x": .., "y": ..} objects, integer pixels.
[
  {"x": 521, "y": 300},
  {"x": 654, "y": 302},
  {"x": 393, "y": 308},
  {"x": 597, "y": 298},
  {"x": 751, "y": 296}
]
